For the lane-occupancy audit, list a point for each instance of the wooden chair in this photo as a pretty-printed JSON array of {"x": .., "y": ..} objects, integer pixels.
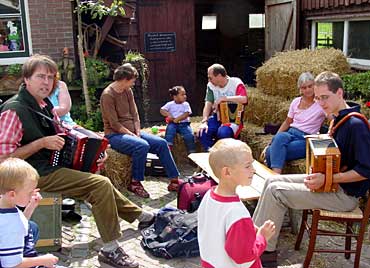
[{"x": 359, "y": 216}]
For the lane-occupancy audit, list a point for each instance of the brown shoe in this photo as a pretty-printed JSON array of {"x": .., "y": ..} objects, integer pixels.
[
  {"x": 117, "y": 258},
  {"x": 138, "y": 189}
]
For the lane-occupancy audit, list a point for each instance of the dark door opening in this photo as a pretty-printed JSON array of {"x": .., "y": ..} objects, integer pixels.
[{"x": 229, "y": 40}]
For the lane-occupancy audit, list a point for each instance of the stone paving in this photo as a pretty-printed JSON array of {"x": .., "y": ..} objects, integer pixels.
[{"x": 81, "y": 241}]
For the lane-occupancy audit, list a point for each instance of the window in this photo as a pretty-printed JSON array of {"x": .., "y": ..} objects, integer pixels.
[
  {"x": 256, "y": 21},
  {"x": 351, "y": 36},
  {"x": 209, "y": 22},
  {"x": 14, "y": 34}
]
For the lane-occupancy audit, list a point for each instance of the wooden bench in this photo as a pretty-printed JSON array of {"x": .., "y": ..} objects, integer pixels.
[{"x": 246, "y": 193}]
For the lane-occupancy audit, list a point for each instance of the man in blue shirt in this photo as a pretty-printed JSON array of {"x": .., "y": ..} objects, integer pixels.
[{"x": 295, "y": 191}]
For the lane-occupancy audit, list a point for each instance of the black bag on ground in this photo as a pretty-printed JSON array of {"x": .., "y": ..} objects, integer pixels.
[{"x": 173, "y": 234}]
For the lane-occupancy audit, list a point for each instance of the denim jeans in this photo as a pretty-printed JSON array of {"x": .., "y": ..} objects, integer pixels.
[
  {"x": 138, "y": 147},
  {"x": 185, "y": 131},
  {"x": 215, "y": 132},
  {"x": 31, "y": 239},
  {"x": 286, "y": 146}
]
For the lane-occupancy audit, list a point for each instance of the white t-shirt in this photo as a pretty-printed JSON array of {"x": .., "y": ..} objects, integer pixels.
[
  {"x": 13, "y": 229},
  {"x": 177, "y": 109}
]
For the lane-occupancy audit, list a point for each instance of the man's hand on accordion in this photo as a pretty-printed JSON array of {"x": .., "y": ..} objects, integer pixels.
[
  {"x": 100, "y": 162},
  {"x": 314, "y": 181},
  {"x": 54, "y": 143}
]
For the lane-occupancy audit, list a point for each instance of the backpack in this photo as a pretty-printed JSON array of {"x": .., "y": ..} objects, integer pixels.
[
  {"x": 192, "y": 190},
  {"x": 173, "y": 234}
]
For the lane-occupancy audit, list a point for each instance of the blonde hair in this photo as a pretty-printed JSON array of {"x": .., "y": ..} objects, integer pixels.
[
  {"x": 14, "y": 172},
  {"x": 226, "y": 153}
]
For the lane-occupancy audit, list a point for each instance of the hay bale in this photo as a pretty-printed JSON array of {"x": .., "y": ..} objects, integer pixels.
[
  {"x": 118, "y": 169},
  {"x": 278, "y": 76},
  {"x": 250, "y": 135},
  {"x": 295, "y": 167},
  {"x": 262, "y": 108}
]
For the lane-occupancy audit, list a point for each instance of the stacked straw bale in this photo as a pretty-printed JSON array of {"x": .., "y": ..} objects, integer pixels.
[
  {"x": 118, "y": 169},
  {"x": 263, "y": 108},
  {"x": 278, "y": 76}
]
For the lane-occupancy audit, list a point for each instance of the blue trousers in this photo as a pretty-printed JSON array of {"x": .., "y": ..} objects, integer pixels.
[
  {"x": 186, "y": 132},
  {"x": 215, "y": 132},
  {"x": 286, "y": 146},
  {"x": 138, "y": 147},
  {"x": 31, "y": 239}
]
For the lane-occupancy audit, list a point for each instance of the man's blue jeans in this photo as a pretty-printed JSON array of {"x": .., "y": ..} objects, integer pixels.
[
  {"x": 215, "y": 132},
  {"x": 286, "y": 146},
  {"x": 185, "y": 131},
  {"x": 138, "y": 148}
]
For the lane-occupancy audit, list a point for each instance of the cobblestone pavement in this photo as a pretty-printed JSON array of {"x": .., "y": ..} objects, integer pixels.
[{"x": 81, "y": 242}]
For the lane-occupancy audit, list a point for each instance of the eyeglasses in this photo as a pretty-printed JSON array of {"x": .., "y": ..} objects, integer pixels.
[
  {"x": 50, "y": 78},
  {"x": 322, "y": 98}
]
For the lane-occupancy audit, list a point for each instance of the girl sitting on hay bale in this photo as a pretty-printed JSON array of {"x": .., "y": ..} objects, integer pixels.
[{"x": 305, "y": 116}]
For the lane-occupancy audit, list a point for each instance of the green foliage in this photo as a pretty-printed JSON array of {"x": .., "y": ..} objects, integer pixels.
[
  {"x": 357, "y": 85},
  {"x": 97, "y": 71},
  {"x": 94, "y": 120},
  {"x": 97, "y": 9},
  {"x": 132, "y": 56},
  {"x": 14, "y": 69}
]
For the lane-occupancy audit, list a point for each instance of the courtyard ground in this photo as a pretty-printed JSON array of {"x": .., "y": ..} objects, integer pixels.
[{"x": 81, "y": 241}]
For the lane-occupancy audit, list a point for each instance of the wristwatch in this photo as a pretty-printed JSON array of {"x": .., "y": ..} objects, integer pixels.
[{"x": 204, "y": 121}]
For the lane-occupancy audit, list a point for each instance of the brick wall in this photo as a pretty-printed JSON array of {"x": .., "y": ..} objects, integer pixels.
[{"x": 51, "y": 27}]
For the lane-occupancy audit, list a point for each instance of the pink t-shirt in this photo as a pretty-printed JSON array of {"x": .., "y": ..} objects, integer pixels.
[{"x": 307, "y": 120}]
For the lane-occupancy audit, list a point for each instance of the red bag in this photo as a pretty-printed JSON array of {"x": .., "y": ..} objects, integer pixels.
[{"x": 192, "y": 190}]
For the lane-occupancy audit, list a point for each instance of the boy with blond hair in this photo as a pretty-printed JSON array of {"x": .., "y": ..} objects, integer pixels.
[
  {"x": 226, "y": 233},
  {"x": 18, "y": 181}
]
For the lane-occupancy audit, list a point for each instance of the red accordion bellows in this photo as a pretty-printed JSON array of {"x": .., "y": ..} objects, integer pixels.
[{"x": 81, "y": 150}]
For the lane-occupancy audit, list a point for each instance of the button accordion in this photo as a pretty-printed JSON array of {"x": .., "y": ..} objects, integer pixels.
[
  {"x": 323, "y": 156},
  {"x": 231, "y": 112},
  {"x": 81, "y": 150}
]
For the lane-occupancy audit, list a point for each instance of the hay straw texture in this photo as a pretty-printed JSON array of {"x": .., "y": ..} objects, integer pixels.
[
  {"x": 278, "y": 76},
  {"x": 256, "y": 142},
  {"x": 118, "y": 169},
  {"x": 264, "y": 108}
]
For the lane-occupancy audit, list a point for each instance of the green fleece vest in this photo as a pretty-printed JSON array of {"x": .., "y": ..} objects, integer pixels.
[{"x": 34, "y": 126}]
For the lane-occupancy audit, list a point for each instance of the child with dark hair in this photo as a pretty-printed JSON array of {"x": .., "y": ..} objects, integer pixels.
[{"x": 177, "y": 114}]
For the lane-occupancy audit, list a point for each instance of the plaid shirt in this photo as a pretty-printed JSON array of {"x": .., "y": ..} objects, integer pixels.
[{"x": 11, "y": 131}]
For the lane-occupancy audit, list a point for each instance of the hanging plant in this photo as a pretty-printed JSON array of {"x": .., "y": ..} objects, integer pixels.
[{"x": 141, "y": 86}]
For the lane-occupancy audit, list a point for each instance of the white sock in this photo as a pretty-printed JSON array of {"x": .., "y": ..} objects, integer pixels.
[{"x": 110, "y": 246}]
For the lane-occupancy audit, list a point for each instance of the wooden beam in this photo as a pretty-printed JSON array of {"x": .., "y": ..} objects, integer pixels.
[{"x": 105, "y": 30}]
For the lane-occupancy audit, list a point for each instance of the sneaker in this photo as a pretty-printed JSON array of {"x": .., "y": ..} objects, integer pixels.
[
  {"x": 138, "y": 189},
  {"x": 269, "y": 259},
  {"x": 117, "y": 258},
  {"x": 174, "y": 185}
]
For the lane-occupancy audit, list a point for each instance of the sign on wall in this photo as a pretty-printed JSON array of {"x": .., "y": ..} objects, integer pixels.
[{"x": 160, "y": 42}]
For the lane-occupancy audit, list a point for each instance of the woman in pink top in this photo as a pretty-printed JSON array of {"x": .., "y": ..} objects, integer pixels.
[{"x": 305, "y": 116}]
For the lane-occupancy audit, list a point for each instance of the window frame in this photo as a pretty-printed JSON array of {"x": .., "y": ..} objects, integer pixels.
[
  {"x": 20, "y": 57},
  {"x": 352, "y": 61}
]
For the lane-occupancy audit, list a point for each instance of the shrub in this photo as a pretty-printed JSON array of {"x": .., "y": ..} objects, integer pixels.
[
  {"x": 97, "y": 71},
  {"x": 357, "y": 85},
  {"x": 14, "y": 69}
]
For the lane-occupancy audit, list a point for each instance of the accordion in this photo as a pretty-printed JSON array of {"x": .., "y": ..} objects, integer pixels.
[
  {"x": 231, "y": 113},
  {"x": 323, "y": 156},
  {"x": 81, "y": 150}
]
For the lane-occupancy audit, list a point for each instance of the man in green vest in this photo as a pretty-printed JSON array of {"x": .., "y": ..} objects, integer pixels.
[{"x": 26, "y": 134}]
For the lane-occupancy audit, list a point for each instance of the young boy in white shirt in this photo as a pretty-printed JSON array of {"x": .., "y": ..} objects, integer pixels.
[{"x": 226, "y": 233}]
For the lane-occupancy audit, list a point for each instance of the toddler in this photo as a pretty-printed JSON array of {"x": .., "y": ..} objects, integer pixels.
[{"x": 177, "y": 114}]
